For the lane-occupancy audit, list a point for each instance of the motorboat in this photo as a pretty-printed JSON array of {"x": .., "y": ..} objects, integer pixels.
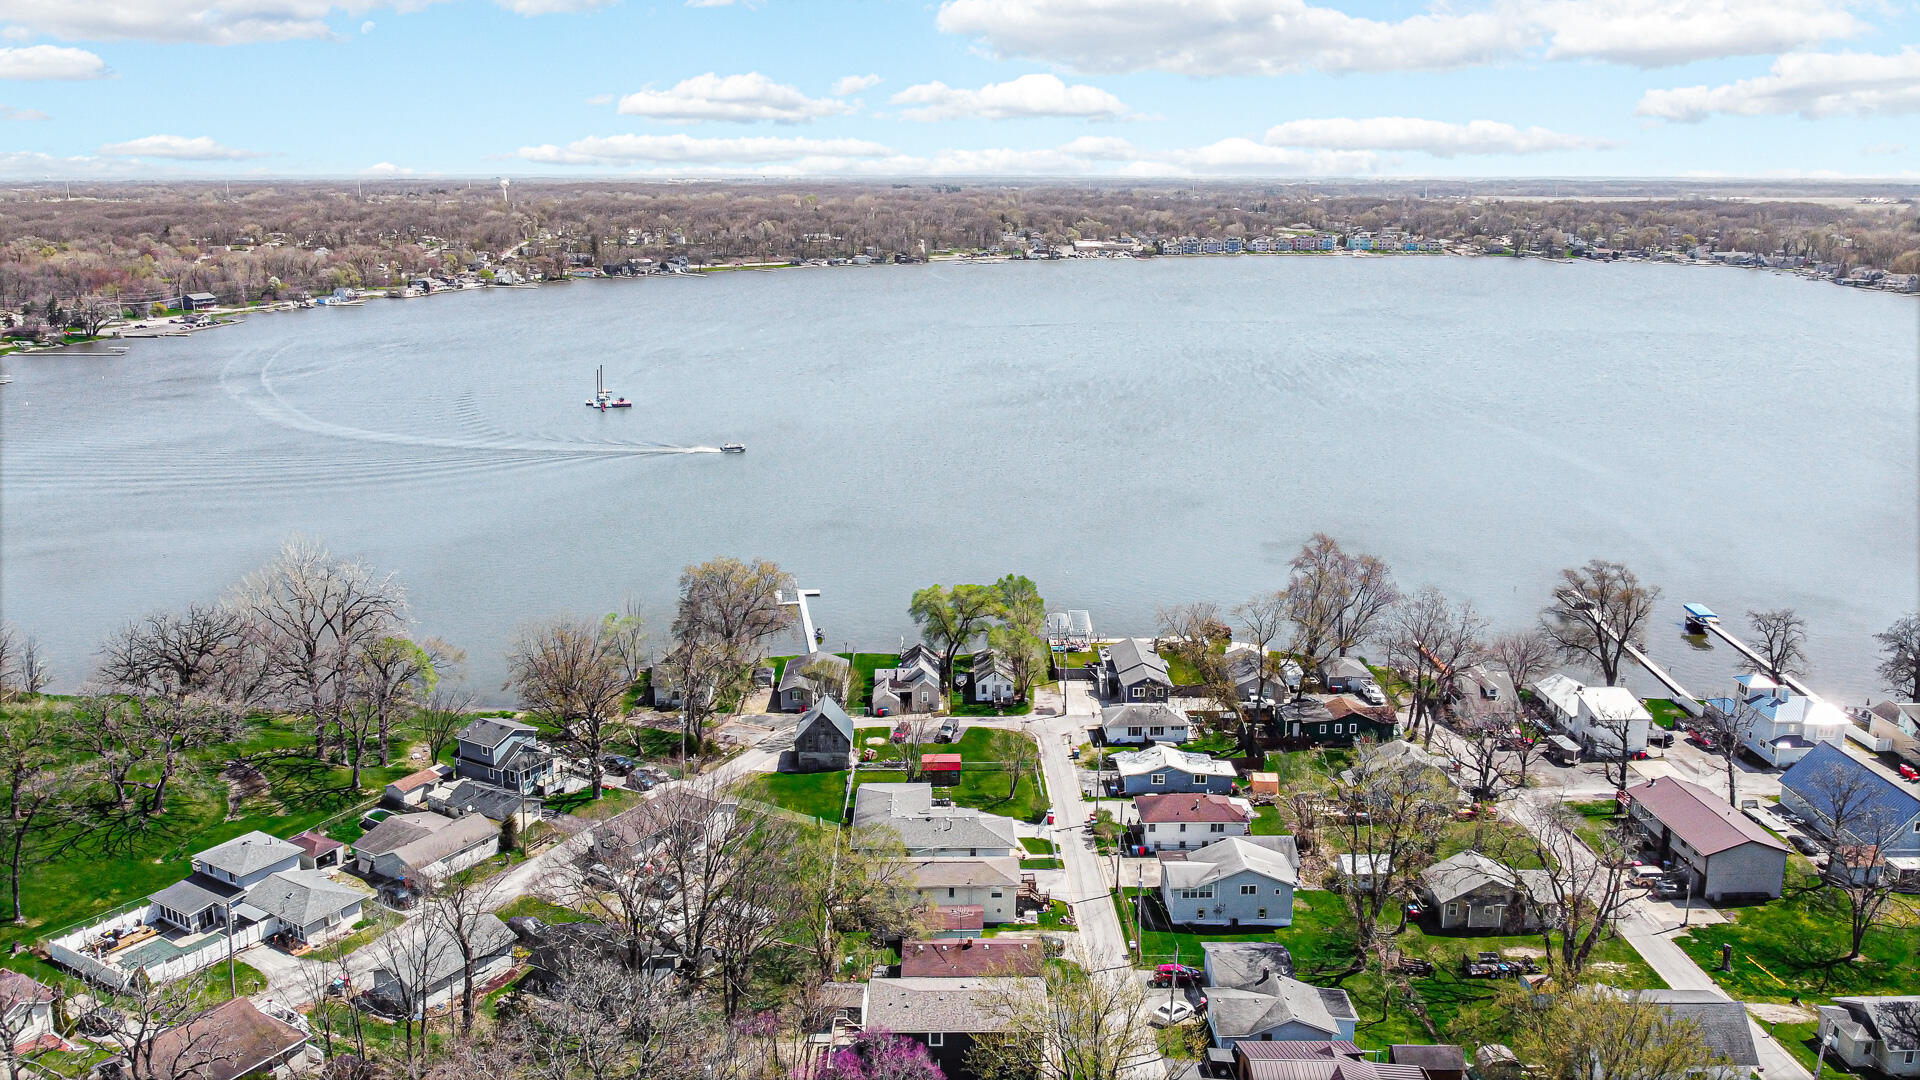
[
  {"x": 733, "y": 448},
  {"x": 603, "y": 398}
]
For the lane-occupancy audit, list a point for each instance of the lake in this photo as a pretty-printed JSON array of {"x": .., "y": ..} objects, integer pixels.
[{"x": 1127, "y": 433}]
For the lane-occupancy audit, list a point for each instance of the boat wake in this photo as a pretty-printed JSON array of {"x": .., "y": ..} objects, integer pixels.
[{"x": 261, "y": 396}]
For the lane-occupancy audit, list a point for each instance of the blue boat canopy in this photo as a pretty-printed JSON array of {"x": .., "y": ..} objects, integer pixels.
[{"x": 1700, "y": 611}]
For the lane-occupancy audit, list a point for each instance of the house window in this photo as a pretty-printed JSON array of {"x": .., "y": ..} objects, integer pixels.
[
  {"x": 1183, "y": 826},
  {"x": 1153, "y": 828},
  {"x": 936, "y": 1038},
  {"x": 1203, "y": 893},
  {"x": 1136, "y": 692},
  {"x": 1262, "y": 914},
  {"x": 1278, "y": 892},
  {"x": 996, "y": 894},
  {"x": 1453, "y": 910},
  {"x": 1218, "y": 826},
  {"x": 1160, "y": 731},
  {"x": 1133, "y": 732},
  {"x": 949, "y": 894},
  {"x": 1159, "y": 779},
  {"x": 1249, "y": 890},
  {"x": 1323, "y": 729}
]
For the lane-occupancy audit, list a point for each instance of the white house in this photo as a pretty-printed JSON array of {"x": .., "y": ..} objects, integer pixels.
[
  {"x": 26, "y": 1010},
  {"x": 1189, "y": 822},
  {"x": 1135, "y": 724},
  {"x": 422, "y": 966},
  {"x": 1236, "y": 882},
  {"x": 992, "y": 885},
  {"x": 1875, "y": 1032},
  {"x": 1605, "y": 719},
  {"x": 991, "y": 681},
  {"x": 1780, "y": 726},
  {"x": 428, "y": 846},
  {"x": 929, "y": 831},
  {"x": 1291, "y": 1011}
]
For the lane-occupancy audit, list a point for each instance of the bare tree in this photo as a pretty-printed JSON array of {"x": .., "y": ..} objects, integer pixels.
[
  {"x": 442, "y": 715},
  {"x": 1584, "y": 889},
  {"x": 1598, "y": 1033},
  {"x": 1899, "y": 666},
  {"x": 1334, "y": 598},
  {"x": 1729, "y": 727},
  {"x": 161, "y": 1030},
  {"x": 413, "y": 957},
  {"x": 112, "y": 729},
  {"x": 1075, "y": 1021},
  {"x": 460, "y": 908},
  {"x": 1264, "y": 620},
  {"x": 312, "y": 615},
  {"x": 36, "y": 804},
  {"x": 9, "y": 655},
  {"x": 1780, "y": 637},
  {"x": 1524, "y": 656},
  {"x": 850, "y": 881},
  {"x": 177, "y": 655},
  {"x": 627, "y": 635},
  {"x": 568, "y": 672},
  {"x": 727, "y": 611},
  {"x": 1392, "y": 809},
  {"x": 1598, "y": 611},
  {"x": 1856, "y": 828},
  {"x": 29, "y": 674},
  {"x": 1429, "y": 641},
  {"x": 1488, "y": 768}
]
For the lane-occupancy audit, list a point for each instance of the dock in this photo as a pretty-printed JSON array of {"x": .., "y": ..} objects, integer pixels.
[
  {"x": 1679, "y": 693},
  {"x": 1701, "y": 618}
]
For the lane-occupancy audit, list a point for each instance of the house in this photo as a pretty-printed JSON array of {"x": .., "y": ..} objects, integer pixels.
[
  {"x": 823, "y": 740},
  {"x": 1310, "y": 1060},
  {"x": 555, "y": 951},
  {"x": 1131, "y": 671},
  {"x": 1895, "y": 727},
  {"x": 216, "y": 890},
  {"x": 1722, "y": 1023},
  {"x": 929, "y": 831},
  {"x": 1472, "y": 892},
  {"x": 1288, "y": 1010},
  {"x": 311, "y": 906},
  {"x": 969, "y": 958},
  {"x": 911, "y": 686},
  {"x": 1439, "y": 1061},
  {"x": 796, "y": 692},
  {"x": 1778, "y": 726},
  {"x": 1345, "y": 674},
  {"x": 248, "y": 859},
  {"x": 1605, "y": 720},
  {"x": 506, "y": 754},
  {"x": 26, "y": 1012},
  {"x": 199, "y": 301},
  {"x": 411, "y": 789},
  {"x": 1875, "y": 1032},
  {"x": 1279, "y": 683},
  {"x": 420, "y": 965},
  {"x": 1728, "y": 855},
  {"x": 1338, "y": 720},
  {"x": 1246, "y": 965},
  {"x": 991, "y": 681},
  {"x": 228, "y": 1041},
  {"x": 1482, "y": 693},
  {"x": 1135, "y": 724},
  {"x": 1186, "y": 822},
  {"x": 944, "y": 1015},
  {"x": 1235, "y": 882},
  {"x": 1360, "y": 872},
  {"x": 493, "y": 803},
  {"x": 1883, "y": 807},
  {"x": 1163, "y": 768},
  {"x": 425, "y": 846},
  {"x": 992, "y": 885}
]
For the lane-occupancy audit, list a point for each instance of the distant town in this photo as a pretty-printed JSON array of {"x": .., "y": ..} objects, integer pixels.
[{"x": 1339, "y": 830}]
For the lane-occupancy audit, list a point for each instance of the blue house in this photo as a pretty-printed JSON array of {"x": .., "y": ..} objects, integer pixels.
[
  {"x": 1827, "y": 775},
  {"x": 504, "y": 754}
]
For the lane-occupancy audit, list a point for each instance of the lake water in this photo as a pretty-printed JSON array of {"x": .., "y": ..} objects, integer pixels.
[{"x": 1129, "y": 434}]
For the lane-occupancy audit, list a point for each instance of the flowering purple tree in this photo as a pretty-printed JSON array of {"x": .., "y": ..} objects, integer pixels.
[{"x": 881, "y": 1055}]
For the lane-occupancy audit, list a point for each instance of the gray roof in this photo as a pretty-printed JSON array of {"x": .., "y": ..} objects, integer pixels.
[
  {"x": 792, "y": 678},
  {"x": 1002, "y": 870},
  {"x": 1247, "y": 965},
  {"x": 1223, "y": 859},
  {"x": 1346, "y": 667},
  {"x": 399, "y": 830},
  {"x": 826, "y": 710},
  {"x": 1722, "y": 1022},
  {"x": 948, "y": 1006},
  {"x": 457, "y": 836},
  {"x": 1895, "y": 1020},
  {"x": 1162, "y": 756},
  {"x": 491, "y": 732},
  {"x": 1134, "y": 661},
  {"x": 485, "y": 799},
  {"x": 429, "y": 944},
  {"x": 1451, "y": 878},
  {"x": 248, "y": 853},
  {"x": 1145, "y": 715},
  {"x": 302, "y": 897},
  {"x": 908, "y": 810},
  {"x": 195, "y": 894},
  {"x": 1236, "y": 1014}
]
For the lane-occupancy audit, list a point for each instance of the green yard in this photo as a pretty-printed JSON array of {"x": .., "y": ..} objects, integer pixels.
[
  {"x": 823, "y": 794},
  {"x": 544, "y": 910},
  {"x": 1665, "y": 712},
  {"x": 1792, "y": 947}
]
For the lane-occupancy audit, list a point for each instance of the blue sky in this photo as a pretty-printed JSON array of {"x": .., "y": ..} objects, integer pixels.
[{"x": 1282, "y": 88}]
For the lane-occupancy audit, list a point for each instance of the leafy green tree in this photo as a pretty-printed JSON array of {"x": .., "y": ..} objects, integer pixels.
[{"x": 949, "y": 619}]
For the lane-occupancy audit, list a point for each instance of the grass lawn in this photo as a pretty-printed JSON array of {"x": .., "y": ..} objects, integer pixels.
[
  {"x": 1665, "y": 711},
  {"x": 1217, "y": 743},
  {"x": 1267, "y": 822},
  {"x": 823, "y": 794},
  {"x": 1594, "y": 820},
  {"x": 377, "y": 922},
  {"x": 886, "y": 749},
  {"x": 959, "y": 707},
  {"x": 1039, "y": 845},
  {"x": 1792, "y": 946},
  {"x": 545, "y": 910},
  {"x": 219, "y": 985},
  {"x": 583, "y": 805},
  {"x": 1042, "y": 863},
  {"x": 1321, "y": 942}
]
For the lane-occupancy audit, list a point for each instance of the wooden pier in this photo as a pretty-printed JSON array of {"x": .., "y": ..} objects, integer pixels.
[
  {"x": 1679, "y": 693},
  {"x": 1700, "y": 616}
]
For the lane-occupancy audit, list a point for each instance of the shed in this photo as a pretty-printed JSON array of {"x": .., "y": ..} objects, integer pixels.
[
  {"x": 1264, "y": 783},
  {"x": 941, "y": 768}
]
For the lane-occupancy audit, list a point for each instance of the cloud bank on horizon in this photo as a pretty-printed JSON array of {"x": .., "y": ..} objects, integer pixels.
[{"x": 1280, "y": 88}]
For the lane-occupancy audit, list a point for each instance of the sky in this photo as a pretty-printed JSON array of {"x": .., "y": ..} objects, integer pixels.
[{"x": 960, "y": 88}]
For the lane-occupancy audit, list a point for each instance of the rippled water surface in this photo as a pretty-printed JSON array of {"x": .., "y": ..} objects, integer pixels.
[{"x": 1128, "y": 434}]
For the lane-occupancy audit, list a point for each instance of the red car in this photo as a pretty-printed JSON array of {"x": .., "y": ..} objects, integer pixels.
[
  {"x": 1169, "y": 974},
  {"x": 1907, "y": 772},
  {"x": 1700, "y": 739}
]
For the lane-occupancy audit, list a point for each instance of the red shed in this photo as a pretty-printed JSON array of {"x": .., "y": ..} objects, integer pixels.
[{"x": 941, "y": 768}]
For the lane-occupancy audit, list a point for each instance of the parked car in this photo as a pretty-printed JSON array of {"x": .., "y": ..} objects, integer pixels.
[
  {"x": 1371, "y": 693},
  {"x": 619, "y": 764},
  {"x": 1802, "y": 843},
  {"x": 1169, "y": 1013},
  {"x": 1168, "y": 974},
  {"x": 1700, "y": 739},
  {"x": 1909, "y": 773},
  {"x": 949, "y": 731}
]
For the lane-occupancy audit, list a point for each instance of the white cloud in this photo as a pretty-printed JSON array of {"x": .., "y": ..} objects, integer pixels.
[
  {"x": 853, "y": 84},
  {"x": 600, "y": 99},
  {"x": 738, "y": 98},
  {"x": 618, "y": 149},
  {"x": 1811, "y": 84},
  {"x": 1272, "y": 37},
  {"x": 1435, "y": 137},
  {"x": 178, "y": 148},
  {"x": 550, "y": 7},
  {"x": 220, "y": 22},
  {"x": 367, "y": 27},
  {"x": 50, "y": 62},
  {"x": 1659, "y": 33},
  {"x": 8, "y": 112},
  {"x": 385, "y": 168},
  {"x": 1883, "y": 149},
  {"x": 36, "y": 165},
  {"x": 1025, "y": 97}
]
